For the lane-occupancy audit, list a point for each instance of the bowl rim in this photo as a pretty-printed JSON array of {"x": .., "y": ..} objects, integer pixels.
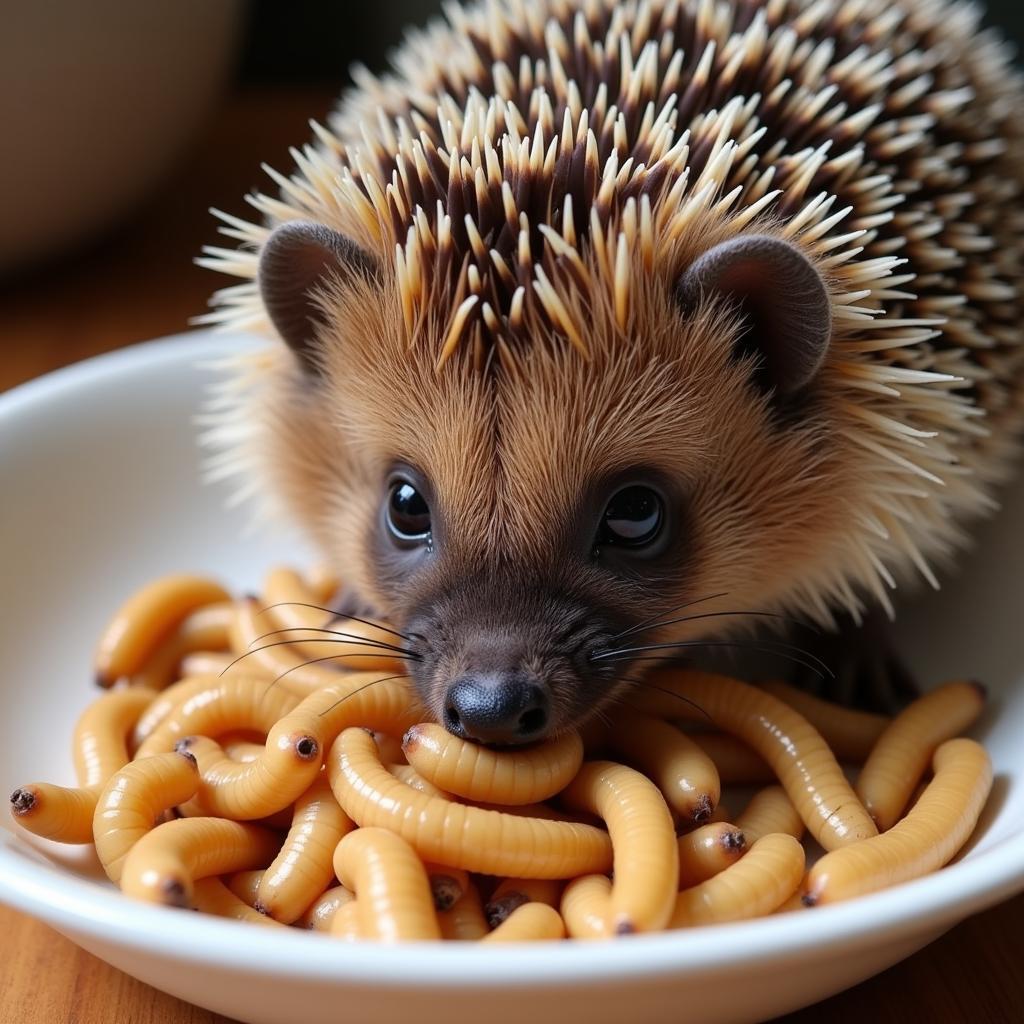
[{"x": 85, "y": 908}]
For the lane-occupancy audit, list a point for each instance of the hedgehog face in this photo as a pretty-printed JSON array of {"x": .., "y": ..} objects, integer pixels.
[{"x": 526, "y": 523}]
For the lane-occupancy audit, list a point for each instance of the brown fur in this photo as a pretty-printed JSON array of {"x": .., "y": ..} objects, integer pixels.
[{"x": 802, "y": 513}]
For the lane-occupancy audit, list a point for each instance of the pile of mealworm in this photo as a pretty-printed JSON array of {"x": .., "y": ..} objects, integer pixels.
[{"x": 232, "y": 769}]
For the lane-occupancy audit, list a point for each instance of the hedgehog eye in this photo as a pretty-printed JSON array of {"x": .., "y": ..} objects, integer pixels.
[
  {"x": 632, "y": 519},
  {"x": 408, "y": 514}
]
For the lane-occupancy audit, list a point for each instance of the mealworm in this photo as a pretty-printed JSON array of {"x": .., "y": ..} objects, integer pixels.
[
  {"x": 449, "y": 833},
  {"x": 770, "y": 810},
  {"x": 585, "y": 906},
  {"x": 759, "y": 882},
  {"x": 319, "y": 916},
  {"x": 212, "y": 896},
  {"x": 850, "y": 733},
  {"x": 708, "y": 850},
  {"x": 683, "y": 772},
  {"x": 164, "y": 864},
  {"x": 130, "y": 804},
  {"x": 100, "y": 748},
  {"x": 903, "y": 752},
  {"x": 532, "y": 922},
  {"x": 304, "y": 867},
  {"x": 245, "y": 791},
  {"x": 464, "y": 920},
  {"x": 345, "y": 922},
  {"x": 927, "y": 838},
  {"x": 392, "y": 890},
  {"x": 212, "y": 707},
  {"x": 735, "y": 761},
  {"x": 646, "y": 855},
  {"x": 141, "y": 624},
  {"x": 790, "y": 744},
  {"x": 514, "y": 892},
  {"x": 492, "y": 776},
  {"x": 206, "y": 629}
]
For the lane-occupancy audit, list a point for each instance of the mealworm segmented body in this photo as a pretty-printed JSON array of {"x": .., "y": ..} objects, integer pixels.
[
  {"x": 449, "y": 833},
  {"x": 492, "y": 776},
  {"x": 795, "y": 750},
  {"x": 643, "y": 839},
  {"x": 146, "y": 619},
  {"x": 391, "y": 886},
  {"x": 927, "y": 838},
  {"x": 902, "y": 754}
]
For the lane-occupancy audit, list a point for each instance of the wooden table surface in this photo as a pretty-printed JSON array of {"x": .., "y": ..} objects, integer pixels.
[{"x": 139, "y": 283}]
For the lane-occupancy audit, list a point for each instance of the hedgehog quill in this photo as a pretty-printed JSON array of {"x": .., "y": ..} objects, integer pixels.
[{"x": 612, "y": 328}]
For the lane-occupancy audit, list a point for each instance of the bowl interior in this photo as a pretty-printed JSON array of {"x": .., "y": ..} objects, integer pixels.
[{"x": 101, "y": 481}]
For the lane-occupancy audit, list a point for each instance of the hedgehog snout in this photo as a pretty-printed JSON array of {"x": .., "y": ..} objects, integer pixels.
[{"x": 499, "y": 707}]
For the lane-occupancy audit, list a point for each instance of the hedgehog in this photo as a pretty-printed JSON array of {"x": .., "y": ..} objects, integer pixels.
[{"x": 604, "y": 331}]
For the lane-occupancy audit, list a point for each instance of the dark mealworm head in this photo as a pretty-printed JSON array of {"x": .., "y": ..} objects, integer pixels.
[
  {"x": 307, "y": 747},
  {"x": 22, "y": 801}
]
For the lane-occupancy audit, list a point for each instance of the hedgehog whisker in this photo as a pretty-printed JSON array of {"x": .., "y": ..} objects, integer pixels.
[
  {"x": 782, "y": 651},
  {"x": 650, "y": 623},
  {"x": 780, "y": 645},
  {"x": 353, "y": 637},
  {"x": 407, "y": 656},
  {"x": 336, "y": 615}
]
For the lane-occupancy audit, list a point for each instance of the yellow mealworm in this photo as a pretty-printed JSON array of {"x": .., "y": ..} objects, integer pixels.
[
  {"x": 449, "y": 833},
  {"x": 790, "y": 744},
  {"x": 142, "y": 623},
  {"x": 585, "y": 906},
  {"x": 245, "y": 791},
  {"x": 320, "y": 914},
  {"x": 770, "y": 810},
  {"x": 927, "y": 838},
  {"x": 257, "y": 648},
  {"x": 205, "y": 663},
  {"x": 407, "y": 774},
  {"x": 464, "y": 921},
  {"x": 532, "y": 922},
  {"x": 759, "y": 882},
  {"x": 686, "y": 776},
  {"x": 446, "y": 885},
  {"x": 514, "y": 892},
  {"x": 100, "y": 749},
  {"x": 241, "y": 750},
  {"x": 643, "y": 839},
  {"x": 163, "y": 865},
  {"x": 131, "y": 803},
  {"x": 212, "y": 896},
  {"x": 850, "y": 733},
  {"x": 245, "y": 884},
  {"x": 304, "y": 867},
  {"x": 477, "y": 773},
  {"x": 735, "y": 761},
  {"x": 392, "y": 890},
  {"x": 708, "y": 850},
  {"x": 903, "y": 752},
  {"x": 214, "y": 706},
  {"x": 206, "y": 629},
  {"x": 345, "y": 922}
]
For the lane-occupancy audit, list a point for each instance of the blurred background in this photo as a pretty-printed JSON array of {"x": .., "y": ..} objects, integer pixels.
[{"x": 124, "y": 121}]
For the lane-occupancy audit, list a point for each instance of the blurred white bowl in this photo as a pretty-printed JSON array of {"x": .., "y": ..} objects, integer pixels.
[
  {"x": 99, "y": 99},
  {"x": 99, "y": 474}
]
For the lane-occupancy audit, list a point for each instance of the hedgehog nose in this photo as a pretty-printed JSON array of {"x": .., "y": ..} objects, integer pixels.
[{"x": 501, "y": 708}]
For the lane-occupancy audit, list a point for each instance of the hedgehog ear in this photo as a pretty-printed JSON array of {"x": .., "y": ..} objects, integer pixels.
[
  {"x": 782, "y": 298},
  {"x": 298, "y": 261}
]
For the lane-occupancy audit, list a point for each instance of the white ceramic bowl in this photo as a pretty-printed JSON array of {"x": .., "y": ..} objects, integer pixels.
[{"x": 99, "y": 476}]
